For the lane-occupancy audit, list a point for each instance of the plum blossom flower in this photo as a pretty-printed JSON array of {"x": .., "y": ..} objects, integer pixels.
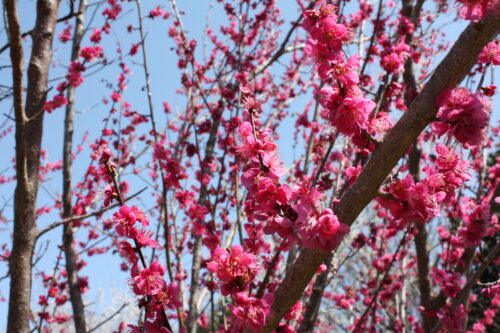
[
  {"x": 250, "y": 311},
  {"x": 148, "y": 327},
  {"x": 490, "y": 54},
  {"x": 235, "y": 268},
  {"x": 65, "y": 35},
  {"x": 452, "y": 320},
  {"x": 324, "y": 231},
  {"x": 167, "y": 296},
  {"x": 450, "y": 173},
  {"x": 150, "y": 280},
  {"x": 125, "y": 220},
  {"x": 476, "y": 223},
  {"x": 450, "y": 282},
  {"x": 352, "y": 115},
  {"x": 474, "y": 10},
  {"x": 393, "y": 63},
  {"x": 91, "y": 53},
  {"x": 127, "y": 252},
  {"x": 423, "y": 204},
  {"x": 252, "y": 147},
  {"x": 415, "y": 202},
  {"x": 75, "y": 77},
  {"x": 462, "y": 114},
  {"x": 95, "y": 37}
]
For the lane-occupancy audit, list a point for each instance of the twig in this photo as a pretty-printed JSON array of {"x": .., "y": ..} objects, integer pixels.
[
  {"x": 29, "y": 32},
  {"x": 375, "y": 296},
  {"x": 84, "y": 216},
  {"x": 473, "y": 279},
  {"x": 109, "y": 318}
]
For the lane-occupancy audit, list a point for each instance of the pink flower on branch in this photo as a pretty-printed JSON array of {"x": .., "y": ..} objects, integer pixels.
[
  {"x": 322, "y": 231},
  {"x": 250, "y": 312},
  {"x": 235, "y": 268},
  {"x": 461, "y": 114},
  {"x": 149, "y": 281}
]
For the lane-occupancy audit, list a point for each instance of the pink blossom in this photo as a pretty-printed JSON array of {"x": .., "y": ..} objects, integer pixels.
[
  {"x": 156, "y": 12},
  {"x": 251, "y": 312},
  {"x": 490, "y": 54},
  {"x": 58, "y": 101},
  {"x": 96, "y": 36},
  {"x": 462, "y": 114},
  {"x": 382, "y": 263},
  {"x": 168, "y": 297},
  {"x": 149, "y": 327},
  {"x": 125, "y": 220},
  {"x": 235, "y": 269},
  {"x": 452, "y": 320},
  {"x": 113, "y": 11},
  {"x": 381, "y": 124},
  {"x": 134, "y": 49},
  {"x": 91, "y": 53},
  {"x": 474, "y": 10},
  {"x": 252, "y": 147},
  {"x": 75, "y": 77},
  {"x": 322, "y": 231},
  {"x": 127, "y": 252},
  {"x": 294, "y": 312},
  {"x": 451, "y": 172},
  {"x": 476, "y": 224},
  {"x": 65, "y": 35},
  {"x": 393, "y": 63},
  {"x": 352, "y": 115},
  {"x": 150, "y": 280},
  {"x": 423, "y": 205},
  {"x": 144, "y": 238},
  {"x": 115, "y": 96},
  {"x": 417, "y": 202},
  {"x": 329, "y": 97},
  {"x": 450, "y": 282}
]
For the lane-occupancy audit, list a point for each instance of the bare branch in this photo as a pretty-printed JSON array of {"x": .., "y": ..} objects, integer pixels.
[
  {"x": 84, "y": 216},
  {"x": 109, "y": 318}
]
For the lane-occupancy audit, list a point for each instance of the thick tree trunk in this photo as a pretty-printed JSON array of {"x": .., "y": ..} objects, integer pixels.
[{"x": 29, "y": 123}]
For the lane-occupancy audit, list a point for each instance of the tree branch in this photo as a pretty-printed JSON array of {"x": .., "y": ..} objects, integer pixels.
[
  {"x": 70, "y": 251},
  {"x": 422, "y": 112},
  {"x": 84, "y": 216}
]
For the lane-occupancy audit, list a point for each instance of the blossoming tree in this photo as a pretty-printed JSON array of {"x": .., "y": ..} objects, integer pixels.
[{"x": 385, "y": 218}]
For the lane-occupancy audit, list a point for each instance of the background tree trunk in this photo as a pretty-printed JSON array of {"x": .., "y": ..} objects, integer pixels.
[
  {"x": 29, "y": 128},
  {"x": 68, "y": 239}
]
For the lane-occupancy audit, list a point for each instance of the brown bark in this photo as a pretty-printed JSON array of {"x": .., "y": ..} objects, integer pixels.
[
  {"x": 422, "y": 112},
  {"x": 196, "y": 265},
  {"x": 29, "y": 122},
  {"x": 68, "y": 239},
  {"x": 420, "y": 240},
  {"x": 312, "y": 309},
  {"x": 313, "y": 305}
]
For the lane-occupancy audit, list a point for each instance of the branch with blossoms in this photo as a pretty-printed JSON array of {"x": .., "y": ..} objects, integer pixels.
[
  {"x": 451, "y": 71},
  {"x": 148, "y": 281}
]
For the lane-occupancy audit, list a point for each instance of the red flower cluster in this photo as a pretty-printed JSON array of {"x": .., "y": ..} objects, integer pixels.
[
  {"x": 348, "y": 110},
  {"x": 235, "y": 268},
  {"x": 463, "y": 115}
]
